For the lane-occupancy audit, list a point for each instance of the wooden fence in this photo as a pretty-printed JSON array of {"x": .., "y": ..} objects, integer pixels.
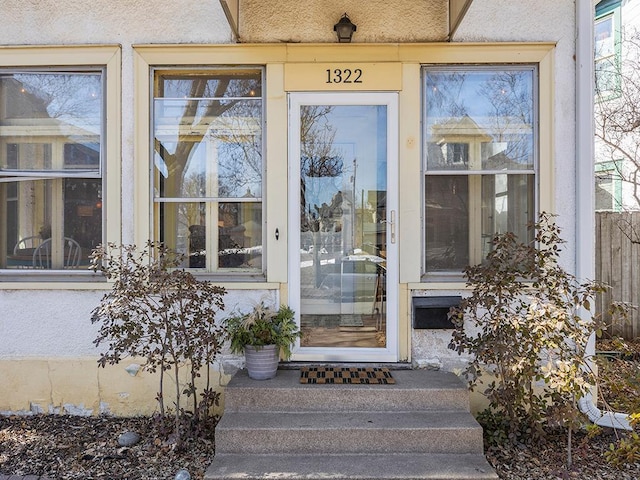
[{"x": 618, "y": 265}]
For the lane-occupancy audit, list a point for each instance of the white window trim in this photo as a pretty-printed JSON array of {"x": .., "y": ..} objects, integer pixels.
[{"x": 109, "y": 57}]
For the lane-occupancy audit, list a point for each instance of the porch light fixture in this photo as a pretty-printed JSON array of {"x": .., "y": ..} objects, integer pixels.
[{"x": 344, "y": 29}]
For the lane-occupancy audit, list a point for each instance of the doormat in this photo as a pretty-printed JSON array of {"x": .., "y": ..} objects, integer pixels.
[{"x": 354, "y": 375}]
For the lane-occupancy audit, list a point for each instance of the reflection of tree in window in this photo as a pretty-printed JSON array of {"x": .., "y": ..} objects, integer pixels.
[
  {"x": 479, "y": 134},
  {"x": 52, "y": 208},
  {"x": 510, "y": 95},
  {"x": 321, "y": 168},
  {"x": 208, "y": 148}
]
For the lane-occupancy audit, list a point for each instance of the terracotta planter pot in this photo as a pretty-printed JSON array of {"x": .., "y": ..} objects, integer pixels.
[{"x": 262, "y": 363}]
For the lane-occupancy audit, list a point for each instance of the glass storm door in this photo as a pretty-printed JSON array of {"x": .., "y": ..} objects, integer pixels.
[{"x": 342, "y": 210}]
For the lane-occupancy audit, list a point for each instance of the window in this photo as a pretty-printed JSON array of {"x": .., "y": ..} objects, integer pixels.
[
  {"x": 51, "y": 167},
  {"x": 607, "y": 52},
  {"x": 608, "y": 187},
  {"x": 207, "y": 166},
  {"x": 479, "y": 161}
]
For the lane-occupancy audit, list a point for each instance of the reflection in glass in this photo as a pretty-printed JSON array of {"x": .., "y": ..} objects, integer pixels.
[
  {"x": 343, "y": 230},
  {"x": 72, "y": 101},
  {"x": 238, "y": 238},
  {"x": 505, "y": 207},
  {"x": 447, "y": 216},
  {"x": 604, "y": 37},
  {"x": 479, "y": 161},
  {"x": 225, "y": 159},
  {"x": 479, "y": 120},
  {"x": 31, "y": 221},
  {"x": 208, "y": 147},
  {"x": 50, "y": 168}
]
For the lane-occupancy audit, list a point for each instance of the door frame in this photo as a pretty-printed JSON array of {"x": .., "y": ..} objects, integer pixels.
[{"x": 389, "y": 353}]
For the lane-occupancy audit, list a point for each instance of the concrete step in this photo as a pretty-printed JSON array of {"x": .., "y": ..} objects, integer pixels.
[
  {"x": 413, "y": 390},
  {"x": 418, "y": 428},
  {"x": 348, "y": 432},
  {"x": 393, "y": 466}
]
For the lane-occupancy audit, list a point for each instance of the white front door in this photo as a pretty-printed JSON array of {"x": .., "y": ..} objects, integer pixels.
[{"x": 343, "y": 268}]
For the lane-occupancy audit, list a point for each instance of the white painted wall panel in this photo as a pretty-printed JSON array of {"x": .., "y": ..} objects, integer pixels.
[{"x": 52, "y": 324}]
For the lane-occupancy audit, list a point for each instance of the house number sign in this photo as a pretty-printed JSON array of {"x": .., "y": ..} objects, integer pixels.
[
  {"x": 301, "y": 77},
  {"x": 344, "y": 75}
]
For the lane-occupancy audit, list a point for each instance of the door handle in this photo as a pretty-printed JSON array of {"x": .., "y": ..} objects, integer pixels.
[{"x": 392, "y": 225}]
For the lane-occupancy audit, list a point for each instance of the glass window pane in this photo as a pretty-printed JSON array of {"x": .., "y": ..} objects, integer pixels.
[
  {"x": 59, "y": 105},
  {"x": 240, "y": 236},
  {"x": 504, "y": 203},
  {"x": 183, "y": 229},
  {"x": 447, "y": 222},
  {"x": 507, "y": 206},
  {"x": 208, "y": 147},
  {"x": 222, "y": 83},
  {"x": 224, "y": 161},
  {"x": 23, "y": 157},
  {"x": 50, "y": 168},
  {"x": 83, "y": 211},
  {"x": 479, "y": 120},
  {"x": 608, "y": 186},
  {"x": 604, "y": 43},
  {"x": 36, "y": 236},
  {"x": 479, "y": 161}
]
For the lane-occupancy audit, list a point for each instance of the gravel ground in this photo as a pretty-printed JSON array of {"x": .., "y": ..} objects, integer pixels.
[
  {"x": 66, "y": 447},
  {"x": 548, "y": 460}
]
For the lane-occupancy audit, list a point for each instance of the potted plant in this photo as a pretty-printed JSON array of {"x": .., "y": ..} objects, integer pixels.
[{"x": 264, "y": 335}]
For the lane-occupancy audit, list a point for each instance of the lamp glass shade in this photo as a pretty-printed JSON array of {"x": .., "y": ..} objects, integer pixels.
[{"x": 344, "y": 29}]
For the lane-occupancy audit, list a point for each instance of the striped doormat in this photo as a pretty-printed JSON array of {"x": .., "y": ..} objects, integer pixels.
[{"x": 323, "y": 375}]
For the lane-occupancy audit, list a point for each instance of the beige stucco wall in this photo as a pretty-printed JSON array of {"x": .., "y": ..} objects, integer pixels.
[
  {"x": 377, "y": 21},
  {"x": 48, "y": 361},
  {"x": 46, "y": 352},
  {"x": 77, "y": 386}
]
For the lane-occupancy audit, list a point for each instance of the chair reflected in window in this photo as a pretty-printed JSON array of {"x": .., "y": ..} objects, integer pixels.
[
  {"x": 72, "y": 254},
  {"x": 27, "y": 243}
]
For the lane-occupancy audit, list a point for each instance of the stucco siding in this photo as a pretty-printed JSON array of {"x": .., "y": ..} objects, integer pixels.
[
  {"x": 312, "y": 22},
  {"x": 118, "y": 21},
  {"x": 48, "y": 361}
]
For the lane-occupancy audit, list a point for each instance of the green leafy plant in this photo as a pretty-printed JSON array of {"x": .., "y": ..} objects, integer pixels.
[
  {"x": 164, "y": 315},
  {"x": 262, "y": 326},
  {"x": 627, "y": 448},
  {"x": 526, "y": 326}
]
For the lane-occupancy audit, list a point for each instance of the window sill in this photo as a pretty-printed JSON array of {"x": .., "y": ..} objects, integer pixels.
[
  {"x": 440, "y": 281},
  {"x": 25, "y": 275},
  {"x": 457, "y": 277},
  {"x": 52, "y": 279},
  {"x": 239, "y": 281},
  {"x": 82, "y": 280}
]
